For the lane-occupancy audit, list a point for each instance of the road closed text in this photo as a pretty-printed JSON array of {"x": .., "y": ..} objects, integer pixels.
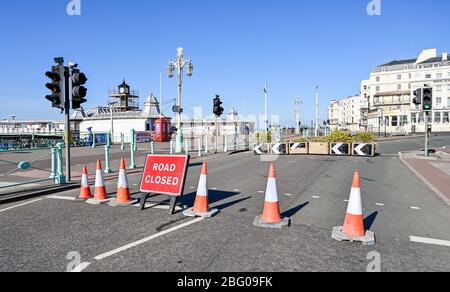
[{"x": 160, "y": 179}]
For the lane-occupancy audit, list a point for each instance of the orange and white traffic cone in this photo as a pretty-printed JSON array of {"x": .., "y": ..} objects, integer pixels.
[
  {"x": 201, "y": 206},
  {"x": 100, "y": 195},
  {"x": 85, "y": 191},
  {"x": 353, "y": 229},
  {"x": 123, "y": 197},
  {"x": 271, "y": 217}
]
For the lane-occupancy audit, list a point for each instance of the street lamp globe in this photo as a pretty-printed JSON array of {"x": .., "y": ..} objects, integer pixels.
[{"x": 180, "y": 52}]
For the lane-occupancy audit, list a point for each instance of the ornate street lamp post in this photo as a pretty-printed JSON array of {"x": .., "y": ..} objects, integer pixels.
[{"x": 180, "y": 63}]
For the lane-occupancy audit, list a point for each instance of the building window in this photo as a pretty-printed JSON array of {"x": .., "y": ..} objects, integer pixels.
[
  {"x": 399, "y": 87},
  {"x": 428, "y": 76},
  {"x": 413, "y": 118},
  {"x": 378, "y": 79},
  {"x": 409, "y": 75},
  {"x": 438, "y": 101},
  {"x": 448, "y": 102},
  {"x": 399, "y": 77},
  {"x": 437, "y": 117},
  {"x": 445, "y": 118},
  {"x": 439, "y": 76},
  {"x": 377, "y": 89},
  {"x": 438, "y": 87},
  {"x": 448, "y": 87},
  {"x": 394, "y": 121}
]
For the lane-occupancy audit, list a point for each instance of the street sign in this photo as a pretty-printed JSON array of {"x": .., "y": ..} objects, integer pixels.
[
  {"x": 363, "y": 149},
  {"x": 165, "y": 174},
  {"x": 298, "y": 148},
  {"x": 261, "y": 149},
  {"x": 279, "y": 149},
  {"x": 340, "y": 149}
]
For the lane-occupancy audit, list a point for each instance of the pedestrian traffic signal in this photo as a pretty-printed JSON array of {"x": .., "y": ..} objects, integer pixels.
[
  {"x": 427, "y": 95},
  {"x": 417, "y": 100},
  {"x": 218, "y": 109},
  {"x": 56, "y": 86},
  {"x": 79, "y": 92}
]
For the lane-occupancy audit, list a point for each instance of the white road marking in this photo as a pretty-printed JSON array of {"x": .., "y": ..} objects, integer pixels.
[
  {"x": 261, "y": 192},
  {"x": 17, "y": 206},
  {"x": 315, "y": 197},
  {"x": 414, "y": 208},
  {"x": 80, "y": 268},
  {"x": 236, "y": 190},
  {"x": 379, "y": 204},
  {"x": 288, "y": 195},
  {"x": 55, "y": 197},
  {"x": 430, "y": 241},
  {"x": 214, "y": 189},
  {"x": 346, "y": 201},
  {"x": 142, "y": 241}
]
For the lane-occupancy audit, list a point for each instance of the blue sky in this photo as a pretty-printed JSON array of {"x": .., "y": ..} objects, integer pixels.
[{"x": 236, "y": 46}]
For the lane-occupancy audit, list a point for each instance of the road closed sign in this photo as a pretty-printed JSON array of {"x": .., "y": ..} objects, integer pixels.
[{"x": 165, "y": 174}]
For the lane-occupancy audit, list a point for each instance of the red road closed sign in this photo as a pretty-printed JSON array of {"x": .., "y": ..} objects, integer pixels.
[{"x": 165, "y": 174}]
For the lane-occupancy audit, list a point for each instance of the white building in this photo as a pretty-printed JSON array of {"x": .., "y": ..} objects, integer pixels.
[
  {"x": 390, "y": 88},
  {"x": 345, "y": 114},
  {"x": 121, "y": 115}
]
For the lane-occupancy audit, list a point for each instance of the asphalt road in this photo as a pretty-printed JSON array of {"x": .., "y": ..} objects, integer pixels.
[{"x": 313, "y": 189}]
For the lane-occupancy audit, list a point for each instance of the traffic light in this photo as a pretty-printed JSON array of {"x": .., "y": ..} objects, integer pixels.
[
  {"x": 427, "y": 95},
  {"x": 218, "y": 109},
  {"x": 56, "y": 86},
  {"x": 79, "y": 92},
  {"x": 417, "y": 100}
]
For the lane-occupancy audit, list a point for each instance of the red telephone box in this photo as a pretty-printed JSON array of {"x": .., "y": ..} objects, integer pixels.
[{"x": 162, "y": 130}]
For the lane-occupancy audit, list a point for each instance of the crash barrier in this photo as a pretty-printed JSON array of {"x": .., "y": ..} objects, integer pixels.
[{"x": 316, "y": 148}]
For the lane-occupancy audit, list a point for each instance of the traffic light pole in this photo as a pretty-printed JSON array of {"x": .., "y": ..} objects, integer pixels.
[
  {"x": 216, "y": 136},
  {"x": 67, "y": 74},
  {"x": 426, "y": 134}
]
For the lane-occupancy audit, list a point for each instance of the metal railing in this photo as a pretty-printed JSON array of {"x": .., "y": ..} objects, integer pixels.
[{"x": 56, "y": 171}]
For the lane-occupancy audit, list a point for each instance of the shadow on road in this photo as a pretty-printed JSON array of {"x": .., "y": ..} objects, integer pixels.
[
  {"x": 214, "y": 196},
  {"x": 368, "y": 222},
  {"x": 229, "y": 204},
  {"x": 295, "y": 210}
]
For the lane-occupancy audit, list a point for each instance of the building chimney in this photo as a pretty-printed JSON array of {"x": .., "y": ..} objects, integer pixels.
[{"x": 444, "y": 57}]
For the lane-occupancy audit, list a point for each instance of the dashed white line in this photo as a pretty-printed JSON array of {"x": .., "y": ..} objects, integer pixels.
[
  {"x": 315, "y": 197},
  {"x": 288, "y": 195},
  {"x": 142, "y": 241},
  {"x": 236, "y": 190},
  {"x": 414, "y": 208},
  {"x": 80, "y": 268},
  {"x": 17, "y": 206},
  {"x": 261, "y": 192},
  {"x": 379, "y": 204},
  {"x": 429, "y": 241}
]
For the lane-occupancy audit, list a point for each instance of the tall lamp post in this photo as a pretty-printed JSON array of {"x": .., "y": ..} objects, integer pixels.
[{"x": 180, "y": 63}]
